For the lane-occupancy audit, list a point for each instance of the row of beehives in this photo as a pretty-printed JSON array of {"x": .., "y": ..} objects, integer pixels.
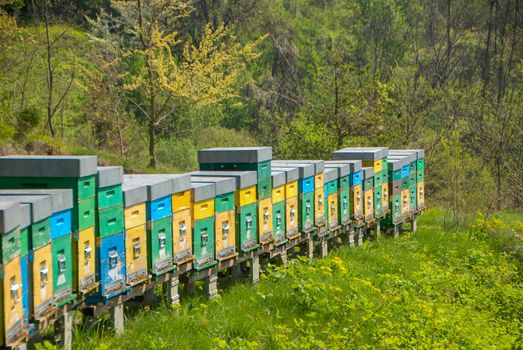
[{"x": 74, "y": 231}]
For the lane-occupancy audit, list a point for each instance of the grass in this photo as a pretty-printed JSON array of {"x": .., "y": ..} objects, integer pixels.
[{"x": 433, "y": 289}]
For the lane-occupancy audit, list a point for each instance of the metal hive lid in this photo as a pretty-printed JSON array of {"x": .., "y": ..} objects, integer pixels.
[
  {"x": 223, "y": 184},
  {"x": 243, "y": 178},
  {"x": 319, "y": 165},
  {"x": 109, "y": 176},
  {"x": 304, "y": 170},
  {"x": 278, "y": 178},
  {"x": 40, "y": 207},
  {"x": 234, "y": 155},
  {"x": 361, "y": 153},
  {"x": 61, "y": 199},
  {"x": 330, "y": 174},
  {"x": 47, "y": 166},
  {"x": 354, "y": 165}
]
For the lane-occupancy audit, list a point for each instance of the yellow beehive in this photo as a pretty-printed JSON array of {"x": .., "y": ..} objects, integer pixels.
[
  {"x": 319, "y": 205},
  {"x": 181, "y": 201},
  {"x": 385, "y": 196},
  {"x": 84, "y": 249},
  {"x": 225, "y": 234},
  {"x": 182, "y": 236},
  {"x": 42, "y": 272},
  {"x": 318, "y": 181},
  {"x": 245, "y": 196},
  {"x": 421, "y": 194},
  {"x": 203, "y": 209},
  {"x": 377, "y": 165},
  {"x": 278, "y": 194},
  {"x": 135, "y": 215},
  {"x": 264, "y": 217},
  {"x": 369, "y": 203},
  {"x": 357, "y": 203},
  {"x": 405, "y": 204},
  {"x": 333, "y": 209},
  {"x": 291, "y": 216},
  {"x": 291, "y": 189},
  {"x": 11, "y": 297},
  {"x": 136, "y": 254}
]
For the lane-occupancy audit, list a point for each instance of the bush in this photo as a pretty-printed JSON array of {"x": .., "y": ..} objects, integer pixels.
[{"x": 27, "y": 119}]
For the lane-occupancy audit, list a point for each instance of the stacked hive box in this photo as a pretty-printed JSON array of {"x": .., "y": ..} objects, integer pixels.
[
  {"x": 279, "y": 228},
  {"x": 355, "y": 188},
  {"x": 182, "y": 222},
  {"x": 419, "y": 173},
  {"x": 12, "y": 326},
  {"x": 408, "y": 181},
  {"x": 375, "y": 157},
  {"x": 305, "y": 194},
  {"x": 50, "y": 217},
  {"x": 110, "y": 236},
  {"x": 135, "y": 221},
  {"x": 319, "y": 194},
  {"x": 368, "y": 194},
  {"x": 203, "y": 227},
  {"x": 247, "y": 158},
  {"x": 343, "y": 184},
  {"x": 35, "y": 239},
  {"x": 395, "y": 183},
  {"x": 246, "y": 206},
  {"x": 331, "y": 188},
  {"x": 291, "y": 200},
  {"x": 62, "y": 172},
  {"x": 225, "y": 209},
  {"x": 159, "y": 213}
]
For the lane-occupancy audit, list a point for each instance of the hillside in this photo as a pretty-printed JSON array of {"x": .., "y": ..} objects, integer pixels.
[{"x": 438, "y": 288}]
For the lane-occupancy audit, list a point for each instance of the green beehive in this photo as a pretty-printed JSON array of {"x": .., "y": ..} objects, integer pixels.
[
  {"x": 246, "y": 208},
  {"x": 62, "y": 270},
  {"x": 109, "y": 201},
  {"x": 278, "y": 207},
  {"x": 396, "y": 215},
  {"x": 10, "y": 218},
  {"x": 417, "y": 172},
  {"x": 368, "y": 193},
  {"x": 160, "y": 245},
  {"x": 343, "y": 190},
  {"x": 331, "y": 198},
  {"x": 306, "y": 193},
  {"x": 241, "y": 159},
  {"x": 203, "y": 241}
]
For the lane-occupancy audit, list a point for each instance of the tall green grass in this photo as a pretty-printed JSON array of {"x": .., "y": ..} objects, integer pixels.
[{"x": 433, "y": 289}]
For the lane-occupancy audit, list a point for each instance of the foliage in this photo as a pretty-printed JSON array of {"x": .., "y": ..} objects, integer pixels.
[{"x": 433, "y": 289}]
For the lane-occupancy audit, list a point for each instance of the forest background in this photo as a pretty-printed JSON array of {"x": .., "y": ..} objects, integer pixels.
[{"x": 145, "y": 83}]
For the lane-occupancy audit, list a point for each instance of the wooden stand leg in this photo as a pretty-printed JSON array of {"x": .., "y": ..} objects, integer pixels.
[
  {"x": 378, "y": 228},
  {"x": 324, "y": 248},
  {"x": 211, "y": 286},
  {"x": 361, "y": 232},
  {"x": 117, "y": 318},
  {"x": 396, "y": 231},
  {"x": 173, "y": 296},
  {"x": 64, "y": 325},
  {"x": 414, "y": 224},
  {"x": 255, "y": 269},
  {"x": 283, "y": 257},
  {"x": 310, "y": 250}
]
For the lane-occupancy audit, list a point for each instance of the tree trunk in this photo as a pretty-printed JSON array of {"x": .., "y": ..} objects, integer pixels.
[
  {"x": 50, "y": 77},
  {"x": 498, "y": 183},
  {"x": 486, "y": 61},
  {"x": 152, "y": 145}
]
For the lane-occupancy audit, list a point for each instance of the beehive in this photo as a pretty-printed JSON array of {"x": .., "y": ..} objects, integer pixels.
[
  {"x": 246, "y": 207},
  {"x": 331, "y": 177},
  {"x": 225, "y": 222},
  {"x": 355, "y": 187},
  {"x": 306, "y": 211},
  {"x": 344, "y": 201},
  {"x": 77, "y": 173},
  {"x": 135, "y": 223},
  {"x": 318, "y": 187},
  {"x": 159, "y": 220}
]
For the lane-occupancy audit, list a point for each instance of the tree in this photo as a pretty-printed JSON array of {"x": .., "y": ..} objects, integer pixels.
[{"x": 166, "y": 73}]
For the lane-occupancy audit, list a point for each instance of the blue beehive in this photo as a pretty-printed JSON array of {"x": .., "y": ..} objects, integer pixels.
[{"x": 111, "y": 267}]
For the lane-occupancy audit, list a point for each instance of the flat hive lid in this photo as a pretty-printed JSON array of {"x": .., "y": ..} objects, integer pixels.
[
  {"x": 304, "y": 170},
  {"x": 420, "y": 153},
  {"x": 234, "y": 155},
  {"x": 223, "y": 184},
  {"x": 410, "y": 157},
  {"x": 319, "y": 165},
  {"x": 354, "y": 165},
  {"x": 343, "y": 169},
  {"x": 243, "y": 178},
  {"x": 109, "y": 176},
  {"x": 133, "y": 193},
  {"x": 40, "y": 207},
  {"x": 10, "y": 216},
  {"x": 330, "y": 174},
  {"x": 203, "y": 191},
  {"x": 278, "y": 178},
  {"x": 368, "y": 172},
  {"x": 291, "y": 174},
  {"x": 157, "y": 186},
  {"x": 47, "y": 166},
  {"x": 361, "y": 153},
  {"x": 397, "y": 163},
  {"x": 61, "y": 199}
]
